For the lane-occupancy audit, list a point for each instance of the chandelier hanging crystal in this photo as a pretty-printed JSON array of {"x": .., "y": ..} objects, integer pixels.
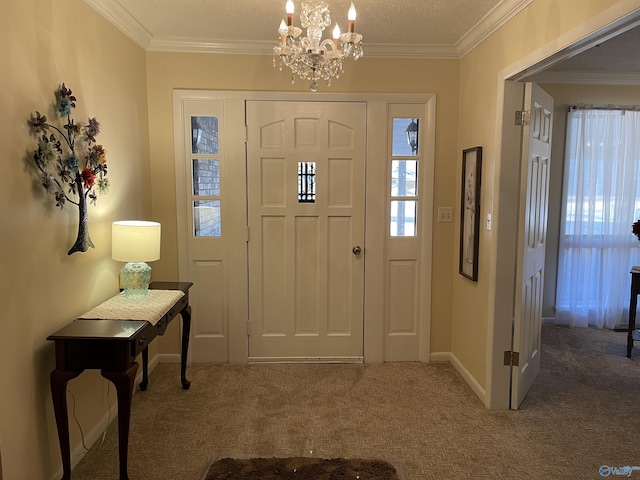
[{"x": 310, "y": 57}]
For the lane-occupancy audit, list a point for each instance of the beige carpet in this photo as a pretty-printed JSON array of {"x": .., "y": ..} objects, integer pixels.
[{"x": 582, "y": 412}]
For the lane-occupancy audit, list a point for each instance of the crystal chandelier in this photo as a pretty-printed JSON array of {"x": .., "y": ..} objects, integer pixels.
[{"x": 310, "y": 57}]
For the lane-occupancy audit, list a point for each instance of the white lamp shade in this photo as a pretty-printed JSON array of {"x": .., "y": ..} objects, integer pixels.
[{"x": 135, "y": 241}]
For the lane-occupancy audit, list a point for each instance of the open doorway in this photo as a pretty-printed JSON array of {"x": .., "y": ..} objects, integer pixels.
[
  {"x": 499, "y": 385},
  {"x": 605, "y": 74}
]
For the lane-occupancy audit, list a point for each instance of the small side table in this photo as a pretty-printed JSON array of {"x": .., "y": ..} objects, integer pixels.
[{"x": 633, "y": 303}]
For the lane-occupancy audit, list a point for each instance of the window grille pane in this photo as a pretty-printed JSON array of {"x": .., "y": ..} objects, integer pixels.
[
  {"x": 206, "y": 177},
  {"x": 403, "y": 218},
  {"x": 206, "y": 218},
  {"x": 204, "y": 135},
  {"x": 405, "y": 139},
  {"x": 403, "y": 178},
  {"x": 306, "y": 182}
]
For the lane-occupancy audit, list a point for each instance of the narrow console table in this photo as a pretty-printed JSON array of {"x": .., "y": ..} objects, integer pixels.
[{"x": 111, "y": 345}]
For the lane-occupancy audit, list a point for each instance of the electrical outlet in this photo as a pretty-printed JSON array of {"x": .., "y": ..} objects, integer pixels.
[{"x": 445, "y": 214}]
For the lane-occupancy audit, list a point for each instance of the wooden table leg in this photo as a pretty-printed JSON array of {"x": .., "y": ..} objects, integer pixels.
[
  {"x": 145, "y": 369},
  {"x": 58, "y": 381},
  {"x": 632, "y": 319},
  {"x": 186, "y": 329},
  {"x": 123, "y": 382}
]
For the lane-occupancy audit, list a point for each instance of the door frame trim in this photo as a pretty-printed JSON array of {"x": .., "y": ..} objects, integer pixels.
[
  {"x": 615, "y": 19},
  {"x": 375, "y": 202}
]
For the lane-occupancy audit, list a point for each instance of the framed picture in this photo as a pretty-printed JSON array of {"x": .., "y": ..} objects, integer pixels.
[{"x": 470, "y": 212}]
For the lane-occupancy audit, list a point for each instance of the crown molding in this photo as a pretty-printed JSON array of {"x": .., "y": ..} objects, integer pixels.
[
  {"x": 382, "y": 50},
  {"x": 123, "y": 21},
  {"x": 188, "y": 45},
  {"x": 587, "y": 78},
  {"x": 116, "y": 14},
  {"x": 499, "y": 15}
]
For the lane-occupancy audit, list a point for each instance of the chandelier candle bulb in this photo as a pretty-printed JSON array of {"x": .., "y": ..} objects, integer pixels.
[
  {"x": 352, "y": 18},
  {"x": 290, "y": 8},
  {"x": 336, "y": 37},
  {"x": 283, "y": 30}
]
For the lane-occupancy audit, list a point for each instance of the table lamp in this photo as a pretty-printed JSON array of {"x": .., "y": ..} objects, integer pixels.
[{"x": 135, "y": 242}]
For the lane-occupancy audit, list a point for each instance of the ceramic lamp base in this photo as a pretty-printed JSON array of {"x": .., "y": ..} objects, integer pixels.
[{"x": 135, "y": 279}]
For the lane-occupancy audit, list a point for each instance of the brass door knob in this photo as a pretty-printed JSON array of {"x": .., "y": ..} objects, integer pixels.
[{"x": 357, "y": 250}]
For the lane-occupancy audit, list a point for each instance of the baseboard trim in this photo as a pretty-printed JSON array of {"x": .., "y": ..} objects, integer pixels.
[
  {"x": 168, "y": 358},
  {"x": 440, "y": 357},
  {"x": 464, "y": 373},
  {"x": 468, "y": 378}
]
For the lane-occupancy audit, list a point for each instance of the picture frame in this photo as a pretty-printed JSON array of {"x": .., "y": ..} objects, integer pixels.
[{"x": 470, "y": 212}]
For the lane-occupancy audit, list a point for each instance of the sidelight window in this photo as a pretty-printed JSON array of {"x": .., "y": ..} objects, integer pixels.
[
  {"x": 404, "y": 177},
  {"x": 205, "y": 182}
]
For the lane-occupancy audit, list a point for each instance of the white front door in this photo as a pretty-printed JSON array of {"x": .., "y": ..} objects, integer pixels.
[
  {"x": 534, "y": 202},
  {"x": 305, "y": 194}
]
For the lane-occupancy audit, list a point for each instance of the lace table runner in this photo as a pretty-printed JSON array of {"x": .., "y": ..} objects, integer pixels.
[{"x": 150, "y": 308}]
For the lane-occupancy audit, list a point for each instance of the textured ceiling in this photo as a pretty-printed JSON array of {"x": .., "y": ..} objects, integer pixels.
[
  {"x": 614, "y": 60},
  {"x": 618, "y": 54},
  {"x": 396, "y": 27},
  {"x": 391, "y": 28},
  {"x": 380, "y": 21}
]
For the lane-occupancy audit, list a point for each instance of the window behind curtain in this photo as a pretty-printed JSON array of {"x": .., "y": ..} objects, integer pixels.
[{"x": 601, "y": 199}]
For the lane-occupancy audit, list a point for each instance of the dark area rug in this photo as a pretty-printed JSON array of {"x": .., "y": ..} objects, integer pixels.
[{"x": 300, "y": 468}]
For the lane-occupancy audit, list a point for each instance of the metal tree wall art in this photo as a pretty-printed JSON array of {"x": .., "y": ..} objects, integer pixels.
[{"x": 72, "y": 166}]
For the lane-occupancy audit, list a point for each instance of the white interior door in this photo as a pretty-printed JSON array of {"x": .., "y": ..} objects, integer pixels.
[
  {"x": 534, "y": 181},
  {"x": 306, "y": 185}
]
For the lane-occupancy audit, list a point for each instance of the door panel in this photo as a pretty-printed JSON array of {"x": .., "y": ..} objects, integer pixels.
[
  {"x": 536, "y": 149},
  {"x": 201, "y": 186},
  {"x": 306, "y": 214}
]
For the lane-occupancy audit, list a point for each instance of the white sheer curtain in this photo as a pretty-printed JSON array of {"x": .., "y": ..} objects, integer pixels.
[{"x": 601, "y": 199}]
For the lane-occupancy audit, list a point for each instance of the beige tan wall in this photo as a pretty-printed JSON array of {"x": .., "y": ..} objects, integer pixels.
[
  {"x": 256, "y": 73},
  {"x": 542, "y": 28},
  {"x": 45, "y": 43}
]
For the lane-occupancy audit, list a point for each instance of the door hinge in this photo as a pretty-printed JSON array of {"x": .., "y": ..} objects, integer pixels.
[
  {"x": 248, "y": 328},
  {"x": 511, "y": 358},
  {"x": 246, "y": 234},
  {"x": 523, "y": 117}
]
